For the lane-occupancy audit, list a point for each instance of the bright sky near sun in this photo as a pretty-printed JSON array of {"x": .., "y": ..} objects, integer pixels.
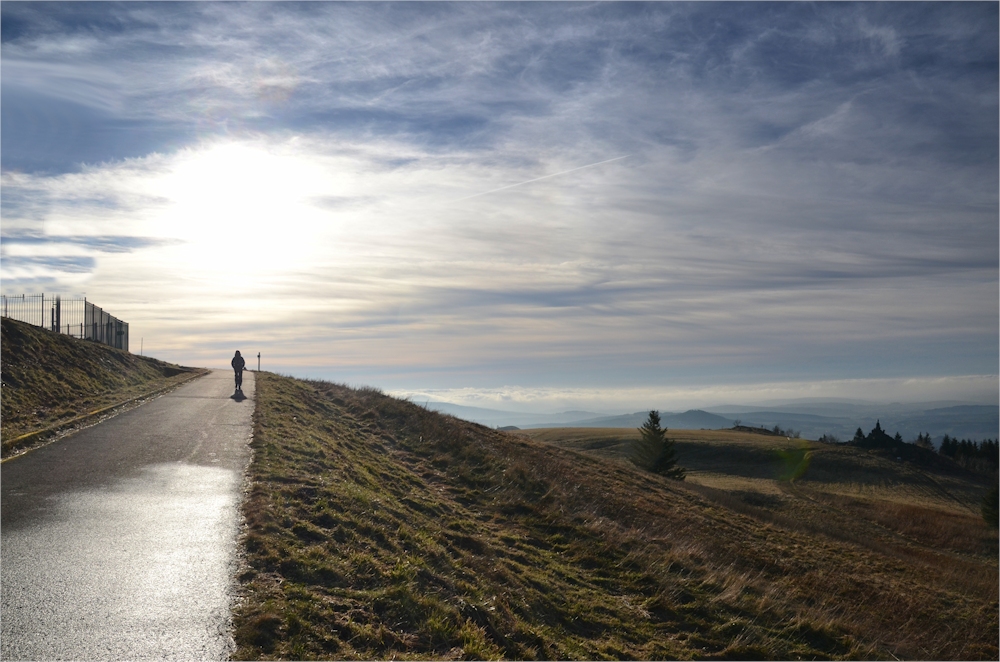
[{"x": 532, "y": 206}]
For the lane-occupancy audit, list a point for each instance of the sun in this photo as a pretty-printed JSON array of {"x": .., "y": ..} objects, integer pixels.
[{"x": 236, "y": 203}]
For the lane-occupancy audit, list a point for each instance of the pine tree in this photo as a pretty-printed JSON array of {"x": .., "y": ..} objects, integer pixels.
[
  {"x": 991, "y": 507},
  {"x": 966, "y": 448},
  {"x": 989, "y": 451},
  {"x": 947, "y": 449},
  {"x": 654, "y": 451}
]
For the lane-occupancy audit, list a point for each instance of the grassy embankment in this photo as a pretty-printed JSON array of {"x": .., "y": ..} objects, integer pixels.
[
  {"x": 50, "y": 380},
  {"x": 378, "y": 529}
]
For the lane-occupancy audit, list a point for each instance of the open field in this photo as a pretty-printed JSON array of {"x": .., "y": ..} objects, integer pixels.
[
  {"x": 876, "y": 496},
  {"x": 50, "y": 379},
  {"x": 377, "y": 529}
]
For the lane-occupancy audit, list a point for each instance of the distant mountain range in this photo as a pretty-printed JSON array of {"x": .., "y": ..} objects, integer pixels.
[{"x": 811, "y": 418}]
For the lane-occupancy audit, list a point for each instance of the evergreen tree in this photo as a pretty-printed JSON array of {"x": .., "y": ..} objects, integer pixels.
[
  {"x": 989, "y": 451},
  {"x": 948, "y": 447},
  {"x": 991, "y": 507},
  {"x": 966, "y": 448},
  {"x": 654, "y": 451},
  {"x": 878, "y": 438},
  {"x": 859, "y": 436}
]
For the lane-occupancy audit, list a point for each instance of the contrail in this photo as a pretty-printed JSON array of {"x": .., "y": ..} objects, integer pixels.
[{"x": 555, "y": 174}]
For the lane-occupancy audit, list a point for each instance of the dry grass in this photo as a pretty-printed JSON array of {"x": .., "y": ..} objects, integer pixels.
[
  {"x": 933, "y": 527},
  {"x": 377, "y": 529},
  {"x": 49, "y": 378}
]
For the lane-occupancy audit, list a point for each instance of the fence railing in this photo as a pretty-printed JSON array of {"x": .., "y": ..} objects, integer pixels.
[{"x": 75, "y": 317}]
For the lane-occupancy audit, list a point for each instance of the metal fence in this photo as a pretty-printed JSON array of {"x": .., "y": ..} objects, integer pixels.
[{"x": 74, "y": 317}]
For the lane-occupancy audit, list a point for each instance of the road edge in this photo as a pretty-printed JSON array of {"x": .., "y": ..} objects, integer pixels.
[{"x": 39, "y": 435}]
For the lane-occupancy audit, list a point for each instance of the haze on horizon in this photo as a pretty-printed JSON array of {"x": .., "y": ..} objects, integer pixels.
[{"x": 541, "y": 206}]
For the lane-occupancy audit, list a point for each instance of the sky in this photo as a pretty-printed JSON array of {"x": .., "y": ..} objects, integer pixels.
[{"x": 537, "y": 206}]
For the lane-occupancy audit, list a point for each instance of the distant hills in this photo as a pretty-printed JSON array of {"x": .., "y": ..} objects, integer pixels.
[
  {"x": 812, "y": 418},
  {"x": 963, "y": 421},
  {"x": 693, "y": 419},
  {"x": 500, "y": 418}
]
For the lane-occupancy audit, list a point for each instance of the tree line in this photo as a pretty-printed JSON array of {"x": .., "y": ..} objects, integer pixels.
[
  {"x": 654, "y": 451},
  {"x": 983, "y": 455},
  {"x": 980, "y": 455}
]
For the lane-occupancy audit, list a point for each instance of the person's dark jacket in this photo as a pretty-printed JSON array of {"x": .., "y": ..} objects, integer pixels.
[{"x": 238, "y": 363}]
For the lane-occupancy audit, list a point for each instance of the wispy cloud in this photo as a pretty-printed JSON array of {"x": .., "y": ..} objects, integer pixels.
[
  {"x": 538, "y": 179},
  {"x": 974, "y": 388},
  {"x": 810, "y": 193}
]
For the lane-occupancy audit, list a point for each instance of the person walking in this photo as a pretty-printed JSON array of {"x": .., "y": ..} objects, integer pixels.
[{"x": 238, "y": 364}]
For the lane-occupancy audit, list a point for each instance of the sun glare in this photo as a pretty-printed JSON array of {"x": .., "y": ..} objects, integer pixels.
[{"x": 238, "y": 202}]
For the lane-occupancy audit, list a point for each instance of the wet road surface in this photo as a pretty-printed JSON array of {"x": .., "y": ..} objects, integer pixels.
[{"x": 119, "y": 541}]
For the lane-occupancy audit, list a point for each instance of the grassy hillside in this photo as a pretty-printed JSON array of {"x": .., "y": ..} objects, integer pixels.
[
  {"x": 734, "y": 460},
  {"x": 934, "y": 490},
  {"x": 925, "y": 508},
  {"x": 377, "y": 529},
  {"x": 49, "y": 378}
]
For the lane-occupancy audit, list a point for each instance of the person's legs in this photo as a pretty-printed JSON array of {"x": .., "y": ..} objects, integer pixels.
[{"x": 238, "y": 379}]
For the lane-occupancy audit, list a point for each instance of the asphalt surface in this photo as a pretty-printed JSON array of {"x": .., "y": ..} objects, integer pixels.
[{"x": 119, "y": 542}]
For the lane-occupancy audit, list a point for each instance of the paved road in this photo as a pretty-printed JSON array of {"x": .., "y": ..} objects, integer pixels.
[{"x": 119, "y": 542}]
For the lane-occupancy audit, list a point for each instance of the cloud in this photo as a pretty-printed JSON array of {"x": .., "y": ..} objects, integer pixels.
[
  {"x": 92, "y": 87},
  {"x": 13, "y": 243},
  {"x": 20, "y": 267},
  {"x": 974, "y": 388},
  {"x": 811, "y": 190},
  {"x": 549, "y": 277}
]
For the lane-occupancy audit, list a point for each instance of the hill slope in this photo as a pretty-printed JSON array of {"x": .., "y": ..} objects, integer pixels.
[
  {"x": 50, "y": 378},
  {"x": 377, "y": 529}
]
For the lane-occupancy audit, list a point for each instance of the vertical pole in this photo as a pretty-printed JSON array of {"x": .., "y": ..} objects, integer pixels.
[{"x": 258, "y": 361}]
